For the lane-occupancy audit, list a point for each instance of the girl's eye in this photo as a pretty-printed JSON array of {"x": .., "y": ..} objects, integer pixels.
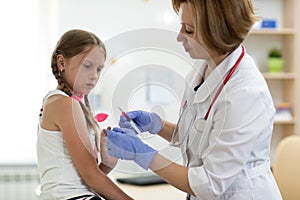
[
  {"x": 99, "y": 70},
  {"x": 86, "y": 65}
]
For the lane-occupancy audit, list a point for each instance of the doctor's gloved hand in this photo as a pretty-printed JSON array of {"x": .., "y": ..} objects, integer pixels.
[
  {"x": 124, "y": 144},
  {"x": 145, "y": 121}
]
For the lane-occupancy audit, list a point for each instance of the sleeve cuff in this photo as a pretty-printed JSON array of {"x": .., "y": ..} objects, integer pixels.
[{"x": 199, "y": 183}]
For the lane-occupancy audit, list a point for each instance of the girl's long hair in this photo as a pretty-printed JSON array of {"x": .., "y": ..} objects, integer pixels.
[{"x": 71, "y": 44}]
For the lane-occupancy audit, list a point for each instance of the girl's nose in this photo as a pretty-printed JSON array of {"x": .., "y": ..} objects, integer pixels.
[{"x": 94, "y": 75}]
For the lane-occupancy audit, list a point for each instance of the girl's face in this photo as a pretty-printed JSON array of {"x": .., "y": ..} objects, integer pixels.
[
  {"x": 187, "y": 34},
  {"x": 82, "y": 71}
]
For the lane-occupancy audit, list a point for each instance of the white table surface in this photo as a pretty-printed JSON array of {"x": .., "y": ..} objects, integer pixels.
[{"x": 151, "y": 192}]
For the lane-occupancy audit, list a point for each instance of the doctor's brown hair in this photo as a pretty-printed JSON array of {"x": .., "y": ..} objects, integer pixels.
[
  {"x": 72, "y": 43},
  {"x": 221, "y": 25}
]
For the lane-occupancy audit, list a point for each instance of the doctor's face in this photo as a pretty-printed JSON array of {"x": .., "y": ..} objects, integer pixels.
[{"x": 187, "y": 34}]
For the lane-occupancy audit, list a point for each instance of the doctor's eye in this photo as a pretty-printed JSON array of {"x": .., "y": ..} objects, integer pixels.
[
  {"x": 189, "y": 32},
  {"x": 188, "y": 29}
]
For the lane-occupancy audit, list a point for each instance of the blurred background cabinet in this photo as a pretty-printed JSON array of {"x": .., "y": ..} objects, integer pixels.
[{"x": 283, "y": 85}]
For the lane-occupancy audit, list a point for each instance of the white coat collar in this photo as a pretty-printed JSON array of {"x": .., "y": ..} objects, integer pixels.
[
  {"x": 197, "y": 74},
  {"x": 216, "y": 77}
]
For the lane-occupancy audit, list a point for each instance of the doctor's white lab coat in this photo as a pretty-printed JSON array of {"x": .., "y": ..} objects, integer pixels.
[{"x": 228, "y": 155}]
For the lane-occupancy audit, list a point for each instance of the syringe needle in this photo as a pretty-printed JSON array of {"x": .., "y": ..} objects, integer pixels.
[{"x": 130, "y": 121}]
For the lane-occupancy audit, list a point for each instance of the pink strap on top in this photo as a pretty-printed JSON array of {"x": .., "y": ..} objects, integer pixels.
[{"x": 77, "y": 98}]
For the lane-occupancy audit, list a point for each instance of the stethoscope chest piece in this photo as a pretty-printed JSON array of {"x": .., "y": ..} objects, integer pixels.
[{"x": 200, "y": 124}]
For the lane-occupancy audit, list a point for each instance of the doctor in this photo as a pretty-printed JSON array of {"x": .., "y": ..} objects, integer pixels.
[{"x": 226, "y": 117}]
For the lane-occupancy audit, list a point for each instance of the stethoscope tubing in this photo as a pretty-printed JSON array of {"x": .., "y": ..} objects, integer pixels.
[{"x": 226, "y": 79}]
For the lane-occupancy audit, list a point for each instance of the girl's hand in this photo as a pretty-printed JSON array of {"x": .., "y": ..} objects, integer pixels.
[{"x": 106, "y": 159}]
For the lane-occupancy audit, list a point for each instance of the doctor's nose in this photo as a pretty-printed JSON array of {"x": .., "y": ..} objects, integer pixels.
[{"x": 180, "y": 36}]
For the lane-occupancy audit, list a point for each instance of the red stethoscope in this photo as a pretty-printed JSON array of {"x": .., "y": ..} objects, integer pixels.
[
  {"x": 232, "y": 70},
  {"x": 201, "y": 124}
]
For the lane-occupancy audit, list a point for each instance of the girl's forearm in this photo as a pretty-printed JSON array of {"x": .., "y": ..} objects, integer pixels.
[
  {"x": 104, "y": 186},
  {"x": 105, "y": 169}
]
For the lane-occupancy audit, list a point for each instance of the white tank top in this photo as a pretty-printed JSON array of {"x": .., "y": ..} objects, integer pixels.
[{"x": 59, "y": 176}]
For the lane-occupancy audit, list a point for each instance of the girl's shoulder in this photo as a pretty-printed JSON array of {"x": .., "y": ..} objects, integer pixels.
[
  {"x": 57, "y": 102},
  {"x": 54, "y": 93},
  {"x": 56, "y": 98},
  {"x": 58, "y": 108}
]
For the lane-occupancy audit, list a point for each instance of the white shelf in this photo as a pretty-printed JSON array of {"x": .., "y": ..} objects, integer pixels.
[
  {"x": 283, "y": 86},
  {"x": 279, "y": 76},
  {"x": 283, "y": 31},
  {"x": 285, "y": 122}
]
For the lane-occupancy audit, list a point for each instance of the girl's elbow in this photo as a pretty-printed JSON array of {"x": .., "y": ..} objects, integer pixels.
[{"x": 92, "y": 177}]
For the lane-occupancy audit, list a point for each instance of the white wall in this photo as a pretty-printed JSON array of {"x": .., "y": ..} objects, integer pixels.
[{"x": 22, "y": 79}]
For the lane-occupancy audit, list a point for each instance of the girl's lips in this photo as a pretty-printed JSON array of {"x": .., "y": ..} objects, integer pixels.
[{"x": 90, "y": 85}]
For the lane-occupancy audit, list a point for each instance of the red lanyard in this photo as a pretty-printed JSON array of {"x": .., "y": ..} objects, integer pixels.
[{"x": 226, "y": 80}]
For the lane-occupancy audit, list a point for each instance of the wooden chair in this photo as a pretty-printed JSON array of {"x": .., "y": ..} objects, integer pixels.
[{"x": 286, "y": 168}]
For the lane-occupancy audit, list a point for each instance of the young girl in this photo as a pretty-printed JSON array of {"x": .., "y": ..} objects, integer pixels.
[{"x": 68, "y": 135}]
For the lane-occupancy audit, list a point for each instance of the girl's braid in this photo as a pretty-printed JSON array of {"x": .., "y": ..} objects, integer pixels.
[
  {"x": 91, "y": 120},
  {"x": 61, "y": 82}
]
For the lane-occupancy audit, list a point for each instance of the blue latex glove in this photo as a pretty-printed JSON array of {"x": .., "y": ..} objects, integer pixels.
[
  {"x": 145, "y": 121},
  {"x": 124, "y": 144}
]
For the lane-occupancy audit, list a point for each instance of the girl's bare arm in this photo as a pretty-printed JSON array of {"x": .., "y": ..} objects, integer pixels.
[{"x": 70, "y": 119}]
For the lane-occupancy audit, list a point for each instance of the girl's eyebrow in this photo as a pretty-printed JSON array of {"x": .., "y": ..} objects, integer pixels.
[
  {"x": 87, "y": 61},
  {"x": 92, "y": 63}
]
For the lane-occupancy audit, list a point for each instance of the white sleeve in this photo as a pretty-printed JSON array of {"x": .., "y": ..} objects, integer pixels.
[{"x": 239, "y": 117}]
